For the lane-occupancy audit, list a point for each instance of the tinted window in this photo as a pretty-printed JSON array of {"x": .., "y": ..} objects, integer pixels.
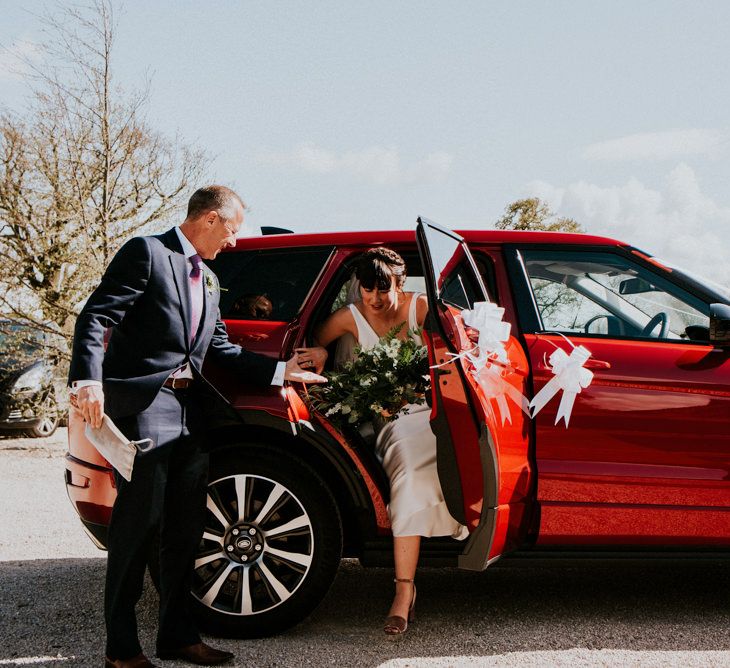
[
  {"x": 267, "y": 284},
  {"x": 605, "y": 293},
  {"x": 459, "y": 287},
  {"x": 454, "y": 276}
]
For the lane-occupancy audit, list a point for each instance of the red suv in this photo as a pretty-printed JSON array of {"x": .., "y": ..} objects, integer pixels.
[{"x": 644, "y": 464}]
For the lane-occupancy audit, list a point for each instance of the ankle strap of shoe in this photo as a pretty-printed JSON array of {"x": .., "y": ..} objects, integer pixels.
[{"x": 402, "y": 580}]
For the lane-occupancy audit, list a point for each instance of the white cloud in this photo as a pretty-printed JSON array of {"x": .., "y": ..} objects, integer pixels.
[
  {"x": 677, "y": 222},
  {"x": 15, "y": 58},
  {"x": 375, "y": 164},
  {"x": 660, "y": 145}
]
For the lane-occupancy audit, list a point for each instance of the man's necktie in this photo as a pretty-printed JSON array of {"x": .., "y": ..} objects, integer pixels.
[{"x": 196, "y": 295}]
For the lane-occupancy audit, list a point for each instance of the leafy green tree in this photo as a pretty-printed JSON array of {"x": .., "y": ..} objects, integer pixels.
[{"x": 534, "y": 214}]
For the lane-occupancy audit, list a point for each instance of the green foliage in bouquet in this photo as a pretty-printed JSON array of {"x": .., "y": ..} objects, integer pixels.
[{"x": 376, "y": 384}]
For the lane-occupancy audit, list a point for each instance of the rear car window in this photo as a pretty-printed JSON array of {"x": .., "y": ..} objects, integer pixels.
[{"x": 267, "y": 284}]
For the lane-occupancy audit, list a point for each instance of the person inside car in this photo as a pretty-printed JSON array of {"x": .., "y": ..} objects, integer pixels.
[{"x": 406, "y": 446}]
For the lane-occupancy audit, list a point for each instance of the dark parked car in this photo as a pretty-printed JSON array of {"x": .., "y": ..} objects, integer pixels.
[
  {"x": 28, "y": 401},
  {"x": 643, "y": 467}
]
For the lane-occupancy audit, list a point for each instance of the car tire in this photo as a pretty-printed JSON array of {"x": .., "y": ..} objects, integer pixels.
[
  {"x": 263, "y": 569},
  {"x": 49, "y": 418}
]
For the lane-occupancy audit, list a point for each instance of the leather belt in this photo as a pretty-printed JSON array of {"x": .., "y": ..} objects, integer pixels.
[{"x": 178, "y": 383}]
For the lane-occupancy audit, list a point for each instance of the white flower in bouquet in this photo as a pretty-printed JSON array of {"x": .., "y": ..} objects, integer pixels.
[{"x": 378, "y": 383}]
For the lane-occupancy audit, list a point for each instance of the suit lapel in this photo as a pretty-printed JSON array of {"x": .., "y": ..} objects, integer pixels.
[{"x": 179, "y": 265}]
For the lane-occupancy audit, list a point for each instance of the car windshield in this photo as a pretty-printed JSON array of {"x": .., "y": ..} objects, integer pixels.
[
  {"x": 716, "y": 290},
  {"x": 608, "y": 294}
]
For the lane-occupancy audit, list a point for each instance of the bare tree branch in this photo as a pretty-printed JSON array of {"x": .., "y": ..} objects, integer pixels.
[{"x": 81, "y": 171}]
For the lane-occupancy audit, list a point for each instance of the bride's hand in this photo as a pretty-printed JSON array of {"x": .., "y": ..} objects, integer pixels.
[{"x": 312, "y": 359}]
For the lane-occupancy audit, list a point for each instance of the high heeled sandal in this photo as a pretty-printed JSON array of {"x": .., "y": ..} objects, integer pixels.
[{"x": 396, "y": 625}]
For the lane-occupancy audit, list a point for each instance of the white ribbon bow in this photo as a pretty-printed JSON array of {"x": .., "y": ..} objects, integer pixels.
[
  {"x": 487, "y": 319},
  {"x": 570, "y": 377},
  {"x": 489, "y": 357}
]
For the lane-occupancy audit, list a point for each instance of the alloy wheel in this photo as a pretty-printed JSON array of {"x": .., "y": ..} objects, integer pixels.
[
  {"x": 257, "y": 546},
  {"x": 49, "y": 418}
]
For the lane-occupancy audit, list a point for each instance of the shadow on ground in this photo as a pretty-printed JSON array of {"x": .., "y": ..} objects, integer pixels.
[{"x": 53, "y": 608}]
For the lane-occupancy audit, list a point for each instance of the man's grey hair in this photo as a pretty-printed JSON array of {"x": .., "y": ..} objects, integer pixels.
[{"x": 216, "y": 198}]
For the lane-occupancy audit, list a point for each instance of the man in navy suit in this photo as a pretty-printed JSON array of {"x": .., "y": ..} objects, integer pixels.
[{"x": 161, "y": 304}]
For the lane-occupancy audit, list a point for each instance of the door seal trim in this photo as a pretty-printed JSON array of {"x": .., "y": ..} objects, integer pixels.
[{"x": 475, "y": 556}]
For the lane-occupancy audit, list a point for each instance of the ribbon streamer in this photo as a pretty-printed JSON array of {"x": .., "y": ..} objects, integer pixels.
[
  {"x": 494, "y": 384},
  {"x": 569, "y": 376}
]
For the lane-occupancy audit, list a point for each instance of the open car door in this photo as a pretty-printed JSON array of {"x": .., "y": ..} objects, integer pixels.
[{"x": 470, "y": 433}]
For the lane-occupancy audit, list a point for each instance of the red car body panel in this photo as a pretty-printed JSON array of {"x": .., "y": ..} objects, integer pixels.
[
  {"x": 644, "y": 462},
  {"x": 648, "y": 438},
  {"x": 464, "y": 432}
]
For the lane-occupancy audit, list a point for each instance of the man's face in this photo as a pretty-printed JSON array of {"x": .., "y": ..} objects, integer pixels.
[{"x": 219, "y": 233}]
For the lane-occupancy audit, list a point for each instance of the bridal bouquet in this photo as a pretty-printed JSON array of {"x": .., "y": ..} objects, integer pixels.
[{"x": 376, "y": 384}]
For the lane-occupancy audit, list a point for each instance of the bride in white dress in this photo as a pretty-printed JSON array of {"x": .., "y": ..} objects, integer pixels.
[{"x": 406, "y": 446}]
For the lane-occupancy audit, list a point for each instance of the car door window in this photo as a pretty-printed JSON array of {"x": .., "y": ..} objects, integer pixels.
[
  {"x": 608, "y": 294},
  {"x": 267, "y": 284},
  {"x": 456, "y": 281}
]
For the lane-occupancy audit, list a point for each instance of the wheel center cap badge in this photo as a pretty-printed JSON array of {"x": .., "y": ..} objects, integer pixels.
[{"x": 243, "y": 543}]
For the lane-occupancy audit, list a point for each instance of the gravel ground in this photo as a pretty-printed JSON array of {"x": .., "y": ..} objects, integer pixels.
[
  {"x": 515, "y": 614},
  {"x": 37, "y": 519}
]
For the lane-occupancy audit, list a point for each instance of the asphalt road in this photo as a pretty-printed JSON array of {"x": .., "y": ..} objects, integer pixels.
[{"x": 515, "y": 614}]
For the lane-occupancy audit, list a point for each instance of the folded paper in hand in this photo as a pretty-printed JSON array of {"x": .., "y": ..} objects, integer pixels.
[{"x": 115, "y": 447}]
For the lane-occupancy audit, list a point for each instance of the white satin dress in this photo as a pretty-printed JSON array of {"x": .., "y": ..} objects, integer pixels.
[{"x": 407, "y": 449}]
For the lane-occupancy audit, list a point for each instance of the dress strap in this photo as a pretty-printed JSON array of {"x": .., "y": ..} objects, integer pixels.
[
  {"x": 413, "y": 317},
  {"x": 366, "y": 335},
  {"x": 412, "y": 311}
]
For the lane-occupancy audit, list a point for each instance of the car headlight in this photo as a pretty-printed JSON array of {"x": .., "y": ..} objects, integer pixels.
[{"x": 31, "y": 381}]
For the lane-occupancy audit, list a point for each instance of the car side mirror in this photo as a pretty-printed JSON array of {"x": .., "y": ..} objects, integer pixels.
[
  {"x": 720, "y": 325},
  {"x": 635, "y": 286},
  {"x": 697, "y": 333}
]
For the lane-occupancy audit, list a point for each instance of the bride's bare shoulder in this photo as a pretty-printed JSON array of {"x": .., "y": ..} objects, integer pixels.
[{"x": 338, "y": 323}]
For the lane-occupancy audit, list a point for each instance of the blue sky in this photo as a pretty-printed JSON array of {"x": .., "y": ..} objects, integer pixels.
[{"x": 344, "y": 115}]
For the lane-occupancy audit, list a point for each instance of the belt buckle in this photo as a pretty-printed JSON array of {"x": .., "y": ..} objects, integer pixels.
[{"x": 174, "y": 383}]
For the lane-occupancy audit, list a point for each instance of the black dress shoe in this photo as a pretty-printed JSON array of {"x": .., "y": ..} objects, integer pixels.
[
  {"x": 139, "y": 661},
  {"x": 200, "y": 654}
]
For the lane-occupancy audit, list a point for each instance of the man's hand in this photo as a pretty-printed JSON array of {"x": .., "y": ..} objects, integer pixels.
[
  {"x": 312, "y": 359},
  {"x": 294, "y": 372},
  {"x": 90, "y": 402}
]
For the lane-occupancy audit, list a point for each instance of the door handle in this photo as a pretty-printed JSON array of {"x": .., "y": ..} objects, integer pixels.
[
  {"x": 589, "y": 364},
  {"x": 596, "y": 364}
]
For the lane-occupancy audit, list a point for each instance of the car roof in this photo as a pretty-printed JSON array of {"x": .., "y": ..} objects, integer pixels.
[{"x": 397, "y": 237}]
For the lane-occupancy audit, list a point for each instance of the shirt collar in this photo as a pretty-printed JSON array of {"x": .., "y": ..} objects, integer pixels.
[{"x": 188, "y": 248}]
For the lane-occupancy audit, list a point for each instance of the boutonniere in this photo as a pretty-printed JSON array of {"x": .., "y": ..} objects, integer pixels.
[{"x": 210, "y": 283}]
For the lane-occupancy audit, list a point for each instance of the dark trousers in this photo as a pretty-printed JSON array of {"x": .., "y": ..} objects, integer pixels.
[{"x": 167, "y": 493}]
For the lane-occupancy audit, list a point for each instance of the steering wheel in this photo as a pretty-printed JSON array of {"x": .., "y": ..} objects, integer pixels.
[
  {"x": 650, "y": 326},
  {"x": 586, "y": 327}
]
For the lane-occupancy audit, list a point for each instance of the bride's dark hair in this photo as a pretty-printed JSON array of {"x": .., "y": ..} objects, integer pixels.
[{"x": 378, "y": 267}]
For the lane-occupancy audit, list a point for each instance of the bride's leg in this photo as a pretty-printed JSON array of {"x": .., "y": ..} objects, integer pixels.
[{"x": 405, "y": 555}]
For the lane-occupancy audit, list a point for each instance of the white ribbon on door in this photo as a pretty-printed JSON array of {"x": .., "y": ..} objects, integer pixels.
[
  {"x": 490, "y": 363},
  {"x": 487, "y": 319},
  {"x": 491, "y": 379},
  {"x": 570, "y": 376}
]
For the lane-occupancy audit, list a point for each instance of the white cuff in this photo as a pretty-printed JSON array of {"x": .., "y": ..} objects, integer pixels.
[
  {"x": 78, "y": 384},
  {"x": 278, "y": 378}
]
